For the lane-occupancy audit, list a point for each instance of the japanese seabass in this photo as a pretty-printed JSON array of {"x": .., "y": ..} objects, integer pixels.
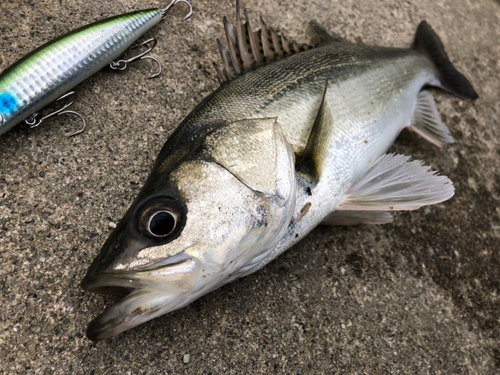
[{"x": 294, "y": 137}]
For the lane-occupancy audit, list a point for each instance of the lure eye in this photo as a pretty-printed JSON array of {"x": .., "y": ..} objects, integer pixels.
[{"x": 160, "y": 218}]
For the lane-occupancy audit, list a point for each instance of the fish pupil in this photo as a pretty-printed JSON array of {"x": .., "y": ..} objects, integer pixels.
[{"x": 162, "y": 223}]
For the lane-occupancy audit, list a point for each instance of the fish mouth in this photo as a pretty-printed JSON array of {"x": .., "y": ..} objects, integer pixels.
[{"x": 146, "y": 294}]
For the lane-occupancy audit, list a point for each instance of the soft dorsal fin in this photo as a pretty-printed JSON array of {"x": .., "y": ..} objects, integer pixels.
[
  {"x": 247, "y": 50},
  {"x": 324, "y": 35}
]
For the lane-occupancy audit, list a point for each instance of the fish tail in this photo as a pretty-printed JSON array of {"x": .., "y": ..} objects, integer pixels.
[{"x": 450, "y": 79}]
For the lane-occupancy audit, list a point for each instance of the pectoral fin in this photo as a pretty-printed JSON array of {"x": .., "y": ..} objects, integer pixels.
[
  {"x": 314, "y": 158},
  {"x": 393, "y": 184}
]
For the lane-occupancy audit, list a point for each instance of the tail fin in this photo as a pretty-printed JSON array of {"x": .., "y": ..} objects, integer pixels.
[{"x": 428, "y": 42}]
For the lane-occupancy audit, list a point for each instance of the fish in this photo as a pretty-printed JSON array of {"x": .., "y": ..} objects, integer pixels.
[
  {"x": 48, "y": 73},
  {"x": 296, "y": 136}
]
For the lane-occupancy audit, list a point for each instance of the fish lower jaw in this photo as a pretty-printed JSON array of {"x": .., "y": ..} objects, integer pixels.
[
  {"x": 146, "y": 295},
  {"x": 137, "y": 307}
]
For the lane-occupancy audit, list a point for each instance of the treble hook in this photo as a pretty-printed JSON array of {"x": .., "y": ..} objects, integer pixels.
[
  {"x": 165, "y": 10},
  {"x": 123, "y": 64},
  {"x": 34, "y": 121}
]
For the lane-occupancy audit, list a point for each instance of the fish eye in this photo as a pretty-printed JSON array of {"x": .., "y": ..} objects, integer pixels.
[
  {"x": 162, "y": 223},
  {"x": 160, "y": 218}
]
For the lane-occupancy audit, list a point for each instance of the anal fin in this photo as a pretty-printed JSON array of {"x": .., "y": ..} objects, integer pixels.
[
  {"x": 427, "y": 122},
  {"x": 394, "y": 184}
]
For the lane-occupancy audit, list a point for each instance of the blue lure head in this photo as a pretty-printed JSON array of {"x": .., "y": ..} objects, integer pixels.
[{"x": 8, "y": 105}]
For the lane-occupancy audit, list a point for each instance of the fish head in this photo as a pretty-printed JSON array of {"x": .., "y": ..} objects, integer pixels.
[{"x": 207, "y": 214}]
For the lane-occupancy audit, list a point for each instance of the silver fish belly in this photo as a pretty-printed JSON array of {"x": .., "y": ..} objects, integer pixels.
[{"x": 294, "y": 137}]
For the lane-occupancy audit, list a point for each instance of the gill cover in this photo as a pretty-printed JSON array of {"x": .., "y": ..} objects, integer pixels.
[
  {"x": 240, "y": 194},
  {"x": 257, "y": 153}
]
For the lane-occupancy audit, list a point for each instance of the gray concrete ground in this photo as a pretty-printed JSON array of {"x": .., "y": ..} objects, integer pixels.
[{"x": 417, "y": 296}]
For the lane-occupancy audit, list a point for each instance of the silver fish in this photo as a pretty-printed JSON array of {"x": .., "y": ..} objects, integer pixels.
[{"x": 295, "y": 136}]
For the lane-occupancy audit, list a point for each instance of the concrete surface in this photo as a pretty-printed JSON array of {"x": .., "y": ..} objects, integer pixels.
[{"x": 417, "y": 296}]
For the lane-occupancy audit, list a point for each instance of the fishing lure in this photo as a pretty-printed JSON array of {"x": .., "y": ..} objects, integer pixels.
[{"x": 49, "y": 73}]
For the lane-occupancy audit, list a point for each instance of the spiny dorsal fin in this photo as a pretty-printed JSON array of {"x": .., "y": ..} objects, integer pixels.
[{"x": 247, "y": 50}]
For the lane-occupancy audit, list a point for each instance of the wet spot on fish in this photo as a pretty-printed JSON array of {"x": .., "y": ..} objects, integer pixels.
[
  {"x": 8, "y": 103},
  {"x": 304, "y": 211}
]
